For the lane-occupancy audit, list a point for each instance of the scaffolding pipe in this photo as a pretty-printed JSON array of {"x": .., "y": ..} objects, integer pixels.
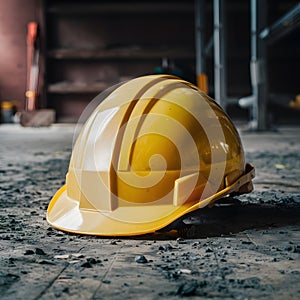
[
  {"x": 287, "y": 23},
  {"x": 219, "y": 53},
  {"x": 258, "y": 118},
  {"x": 200, "y": 60}
]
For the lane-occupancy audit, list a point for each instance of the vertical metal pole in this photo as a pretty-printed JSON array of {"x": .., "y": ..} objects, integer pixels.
[
  {"x": 258, "y": 66},
  {"x": 200, "y": 60},
  {"x": 253, "y": 62},
  {"x": 219, "y": 52}
]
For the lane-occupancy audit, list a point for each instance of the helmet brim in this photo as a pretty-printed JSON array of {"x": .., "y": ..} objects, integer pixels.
[{"x": 65, "y": 213}]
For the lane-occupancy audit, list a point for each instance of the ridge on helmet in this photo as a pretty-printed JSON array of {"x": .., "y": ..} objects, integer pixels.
[{"x": 155, "y": 149}]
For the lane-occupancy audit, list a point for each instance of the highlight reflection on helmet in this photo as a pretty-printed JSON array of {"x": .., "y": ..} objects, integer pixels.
[{"x": 155, "y": 149}]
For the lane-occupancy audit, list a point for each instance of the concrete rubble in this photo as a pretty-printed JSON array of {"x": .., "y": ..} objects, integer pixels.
[{"x": 247, "y": 250}]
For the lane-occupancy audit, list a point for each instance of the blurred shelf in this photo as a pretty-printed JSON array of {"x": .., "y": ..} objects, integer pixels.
[
  {"x": 121, "y": 53},
  {"x": 92, "y": 45},
  {"x": 119, "y": 7},
  {"x": 77, "y": 88}
]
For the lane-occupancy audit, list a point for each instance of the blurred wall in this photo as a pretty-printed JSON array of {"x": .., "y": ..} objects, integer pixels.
[{"x": 14, "y": 16}]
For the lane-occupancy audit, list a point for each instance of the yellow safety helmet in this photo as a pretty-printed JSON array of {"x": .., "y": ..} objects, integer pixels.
[{"x": 155, "y": 149}]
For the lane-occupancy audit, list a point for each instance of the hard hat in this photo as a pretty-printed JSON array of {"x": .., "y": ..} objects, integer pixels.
[{"x": 155, "y": 149}]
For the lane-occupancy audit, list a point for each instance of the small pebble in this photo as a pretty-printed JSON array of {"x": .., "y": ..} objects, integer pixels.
[
  {"x": 86, "y": 265},
  {"x": 29, "y": 252},
  {"x": 165, "y": 247},
  {"x": 106, "y": 281},
  {"x": 141, "y": 259},
  {"x": 63, "y": 256},
  {"x": 46, "y": 262},
  {"x": 39, "y": 251},
  {"x": 91, "y": 260},
  {"x": 185, "y": 271},
  {"x": 186, "y": 289},
  {"x": 78, "y": 255},
  {"x": 246, "y": 242}
]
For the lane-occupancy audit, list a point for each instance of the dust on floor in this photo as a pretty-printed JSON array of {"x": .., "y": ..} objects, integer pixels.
[{"x": 249, "y": 250}]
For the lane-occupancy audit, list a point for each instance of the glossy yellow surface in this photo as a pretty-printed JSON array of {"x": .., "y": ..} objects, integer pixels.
[{"x": 155, "y": 149}]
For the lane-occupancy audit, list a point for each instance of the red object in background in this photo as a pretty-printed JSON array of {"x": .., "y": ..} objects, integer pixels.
[{"x": 32, "y": 66}]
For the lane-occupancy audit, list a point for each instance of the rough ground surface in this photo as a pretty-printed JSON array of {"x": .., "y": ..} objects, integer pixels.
[{"x": 249, "y": 250}]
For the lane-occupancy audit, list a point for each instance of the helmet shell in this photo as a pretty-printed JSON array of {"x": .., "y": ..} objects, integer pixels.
[{"x": 155, "y": 149}]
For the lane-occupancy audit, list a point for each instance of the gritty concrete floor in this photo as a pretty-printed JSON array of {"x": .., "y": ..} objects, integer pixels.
[{"x": 249, "y": 250}]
